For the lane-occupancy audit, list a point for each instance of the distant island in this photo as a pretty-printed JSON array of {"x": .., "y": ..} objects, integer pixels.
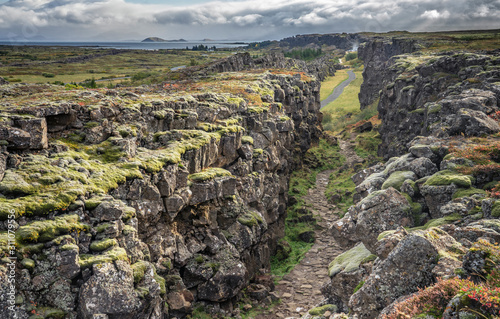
[{"x": 156, "y": 39}]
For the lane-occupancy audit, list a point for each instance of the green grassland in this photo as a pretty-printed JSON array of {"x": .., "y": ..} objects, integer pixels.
[
  {"x": 331, "y": 82},
  {"x": 44, "y": 64}
]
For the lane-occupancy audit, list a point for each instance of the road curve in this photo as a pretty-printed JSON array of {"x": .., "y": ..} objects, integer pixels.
[{"x": 338, "y": 90}]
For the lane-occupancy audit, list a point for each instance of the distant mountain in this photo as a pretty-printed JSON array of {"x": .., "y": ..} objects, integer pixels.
[{"x": 156, "y": 39}]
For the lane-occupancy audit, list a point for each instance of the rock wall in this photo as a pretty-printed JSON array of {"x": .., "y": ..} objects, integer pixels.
[
  {"x": 342, "y": 41},
  {"x": 376, "y": 53},
  {"x": 424, "y": 213},
  {"x": 428, "y": 95},
  {"x": 133, "y": 203}
]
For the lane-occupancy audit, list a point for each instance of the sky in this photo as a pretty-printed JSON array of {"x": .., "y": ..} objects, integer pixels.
[{"x": 246, "y": 20}]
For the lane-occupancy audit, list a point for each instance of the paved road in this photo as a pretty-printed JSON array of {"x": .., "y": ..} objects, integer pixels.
[{"x": 338, "y": 90}]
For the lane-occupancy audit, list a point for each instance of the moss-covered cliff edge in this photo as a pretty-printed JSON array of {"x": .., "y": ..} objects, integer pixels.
[{"x": 139, "y": 202}]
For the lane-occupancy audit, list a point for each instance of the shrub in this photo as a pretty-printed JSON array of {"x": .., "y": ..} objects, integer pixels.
[
  {"x": 351, "y": 56},
  {"x": 48, "y": 75}
]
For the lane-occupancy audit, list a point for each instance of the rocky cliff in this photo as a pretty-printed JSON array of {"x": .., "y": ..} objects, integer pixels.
[
  {"x": 428, "y": 217},
  {"x": 138, "y": 203},
  {"x": 342, "y": 41}
]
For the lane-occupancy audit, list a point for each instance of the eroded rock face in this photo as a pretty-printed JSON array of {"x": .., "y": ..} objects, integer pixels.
[{"x": 168, "y": 202}]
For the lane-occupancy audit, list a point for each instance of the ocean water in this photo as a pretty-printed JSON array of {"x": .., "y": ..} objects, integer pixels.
[{"x": 132, "y": 45}]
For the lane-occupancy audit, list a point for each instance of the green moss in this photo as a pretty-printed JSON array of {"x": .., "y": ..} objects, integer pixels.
[
  {"x": 91, "y": 124},
  {"x": 247, "y": 140},
  {"x": 447, "y": 177},
  {"x": 139, "y": 269},
  {"x": 358, "y": 287},
  {"x": 14, "y": 184},
  {"x": 438, "y": 222},
  {"x": 349, "y": 261},
  {"x": 49, "y": 229},
  {"x": 103, "y": 244},
  {"x": 70, "y": 247},
  {"x": 209, "y": 174},
  {"x": 418, "y": 111},
  {"x": 416, "y": 208},
  {"x": 250, "y": 219},
  {"x": 116, "y": 253},
  {"x": 434, "y": 108},
  {"x": 28, "y": 263},
  {"x": 161, "y": 281},
  {"x": 397, "y": 179},
  {"x": 495, "y": 210},
  {"x": 319, "y": 311},
  {"x": 468, "y": 192},
  {"x": 257, "y": 152},
  {"x": 102, "y": 227}
]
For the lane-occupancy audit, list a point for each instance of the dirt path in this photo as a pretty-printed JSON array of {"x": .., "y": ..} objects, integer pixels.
[
  {"x": 299, "y": 290},
  {"x": 350, "y": 155}
]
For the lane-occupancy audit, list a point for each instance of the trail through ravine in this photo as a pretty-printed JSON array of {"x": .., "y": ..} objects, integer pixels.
[{"x": 300, "y": 289}]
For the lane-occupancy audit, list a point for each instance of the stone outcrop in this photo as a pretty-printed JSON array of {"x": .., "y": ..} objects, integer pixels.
[
  {"x": 432, "y": 107},
  {"x": 134, "y": 204}
]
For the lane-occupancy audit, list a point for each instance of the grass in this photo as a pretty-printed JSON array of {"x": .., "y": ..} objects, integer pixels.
[
  {"x": 139, "y": 64},
  {"x": 348, "y": 102},
  {"x": 331, "y": 82}
]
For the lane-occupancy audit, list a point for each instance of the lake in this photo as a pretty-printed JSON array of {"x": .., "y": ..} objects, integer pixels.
[{"x": 132, "y": 45}]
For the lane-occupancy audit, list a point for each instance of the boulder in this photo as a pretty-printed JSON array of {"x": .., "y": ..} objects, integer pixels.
[
  {"x": 416, "y": 261},
  {"x": 346, "y": 272},
  {"x": 380, "y": 211},
  {"x": 110, "y": 291}
]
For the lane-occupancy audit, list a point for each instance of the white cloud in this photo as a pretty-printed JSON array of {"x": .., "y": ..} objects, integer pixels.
[
  {"x": 434, "y": 14},
  {"x": 242, "y": 19}
]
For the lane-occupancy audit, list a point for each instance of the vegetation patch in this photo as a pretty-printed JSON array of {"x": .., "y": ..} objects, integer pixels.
[
  {"x": 447, "y": 177},
  {"x": 116, "y": 253},
  {"x": 209, "y": 174},
  {"x": 319, "y": 311},
  {"x": 47, "y": 230}
]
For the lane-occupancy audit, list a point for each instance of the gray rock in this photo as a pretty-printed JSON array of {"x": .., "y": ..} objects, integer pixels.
[
  {"x": 436, "y": 197},
  {"x": 110, "y": 291},
  {"x": 380, "y": 211},
  {"x": 423, "y": 166}
]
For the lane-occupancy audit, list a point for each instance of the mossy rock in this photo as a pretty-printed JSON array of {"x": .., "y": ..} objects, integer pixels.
[
  {"x": 349, "y": 261},
  {"x": 495, "y": 210},
  {"x": 469, "y": 192},
  {"x": 28, "y": 263},
  {"x": 438, "y": 222},
  {"x": 319, "y": 311},
  {"x": 247, "y": 139},
  {"x": 47, "y": 230},
  {"x": 251, "y": 219},
  {"x": 102, "y": 245},
  {"x": 116, "y": 253},
  {"x": 447, "y": 177},
  {"x": 139, "y": 268},
  {"x": 209, "y": 174},
  {"x": 397, "y": 179}
]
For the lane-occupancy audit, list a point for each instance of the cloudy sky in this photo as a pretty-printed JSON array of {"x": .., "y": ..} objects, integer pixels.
[{"x": 107, "y": 20}]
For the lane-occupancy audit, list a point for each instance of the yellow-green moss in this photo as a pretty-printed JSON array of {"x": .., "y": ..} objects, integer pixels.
[
  {"x": 116, "y": 253},
  {"x": 469, "y": 192},
  {"x": 103, "y": 244},
  {"x": 247, "y": 140},
  {"x": 28, "y": 263},
  {"x": 139, "y": 269},
  {"x": 250, "y": 219},
  {"x": 208, "y": 174},
  {"x": 349, "y": 261},
  {"x": 495, "y": 211},
  {"x": 447, "y": 177},
  {"x": 397, "y": 179},
  {"x": 46, "y": 230},
  {"x": 319, "y": 311}
]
